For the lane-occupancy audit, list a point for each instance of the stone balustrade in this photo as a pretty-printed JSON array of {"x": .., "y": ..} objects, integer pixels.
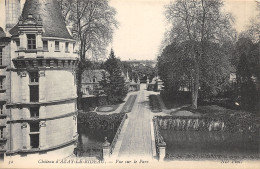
[
  {"x": 107, "y": 147},
  {"x": 159, "y": 142},
  {"x": 208, "y": 123}
]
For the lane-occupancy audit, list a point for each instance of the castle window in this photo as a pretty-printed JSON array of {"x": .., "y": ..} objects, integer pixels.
[
  {"x": 45, "y": 45},
  {"x": 1, "y": 56},
  {"x": 1, "y": 109},
  {"x": 34, "y": 134},
  {"x": 34, "y": 139},
  {"x": 34, "y": 127},
  {"x": 48, "y": 63},
  {"x": 67, "y": 47},
  {"x": 94, "y": 79},
  {"x": 1, "y": 83},
  {"x": 34, "y": 93},
  {"x": 31, "y": 41},
  {"x": 40, "y": 63},
  {"x": 34, "y": 111},
  {"x": 55, "y": 63},
  {"x": 57, "y": 45},
  {"x": 34, "y": 77},
  {"x": 1, "y": 132},
  {"x": 18, "y": 44},
  {"x": 34, "y": 86}
]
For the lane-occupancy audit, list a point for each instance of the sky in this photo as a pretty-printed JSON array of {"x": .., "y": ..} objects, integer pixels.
[{"x": 142, "y": 25}]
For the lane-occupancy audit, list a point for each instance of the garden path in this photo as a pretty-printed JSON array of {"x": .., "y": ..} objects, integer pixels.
[{"x": 137, "y": 140}]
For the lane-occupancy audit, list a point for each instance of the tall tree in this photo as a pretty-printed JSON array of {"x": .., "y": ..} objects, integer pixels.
[
  {"x": 169, "y": 68},
  {"x": 246, "y": 60},
  {"x": 200, "y": 23},
  {"x": 114, "y": 86},
  {"x": 93, "y": 23},
  {"x": 112, "y": 63},
  {"x": 253, "y": 27},
  {"x": 175, "y": 68}
]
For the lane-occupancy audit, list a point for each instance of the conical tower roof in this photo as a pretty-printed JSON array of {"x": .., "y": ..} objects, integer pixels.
[
  {"x": 50, "y": 13},
  {"x": 2, "y": 33}
]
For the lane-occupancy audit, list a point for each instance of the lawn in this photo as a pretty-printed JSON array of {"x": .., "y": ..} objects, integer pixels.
[
  {"x": 154, "y": 103},
  {"x": 107, "y": 108},
  {"x": 215, "y": 110},
  {"x": 171, "y": 104},
  {"x": 176, "y": 100},
  {"x": 238, "y": 118},
  {"x": 129, "y": 104}
]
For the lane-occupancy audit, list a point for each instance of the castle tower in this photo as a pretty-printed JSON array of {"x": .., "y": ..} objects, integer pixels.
[
  {"x": 42, "y": 108},
  {"x": 4, "y": 83},
  {"x": 12, "y": 13}
]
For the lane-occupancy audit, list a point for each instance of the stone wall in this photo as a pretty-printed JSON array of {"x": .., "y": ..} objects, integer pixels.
[
  {"x": 60, "y": 131},
  {"x": 53, "y": 85},
  {"x": 57, "y": 111},
  {"x": 59, "y": 84}
]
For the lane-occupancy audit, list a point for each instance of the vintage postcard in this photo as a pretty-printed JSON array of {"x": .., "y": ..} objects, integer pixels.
[{"x": 130, "y": 84}]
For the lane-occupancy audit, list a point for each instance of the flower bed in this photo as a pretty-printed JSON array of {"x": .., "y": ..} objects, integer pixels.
[
  {"x": 154, "y": 103},
  {"x": 129, "y": 104}
]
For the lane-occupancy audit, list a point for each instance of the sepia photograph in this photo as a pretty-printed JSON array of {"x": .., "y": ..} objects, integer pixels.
[{"x": 130, "y": 84}]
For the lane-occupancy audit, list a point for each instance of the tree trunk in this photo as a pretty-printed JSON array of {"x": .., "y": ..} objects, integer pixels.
[
  {"x": 80, "y": 70},
  {"x": 195, "y": 86},
  {"x": 79, "y": 93}
]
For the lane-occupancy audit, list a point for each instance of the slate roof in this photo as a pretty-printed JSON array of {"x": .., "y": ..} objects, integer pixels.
[
  {"x": 88, "y": 75},
  {"x": 52, "y": 19},
  {"x": 3, "y": 39},
  {"x": 2, "y": 33}
]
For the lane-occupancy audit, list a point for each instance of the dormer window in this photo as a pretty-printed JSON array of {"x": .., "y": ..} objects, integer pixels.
[
  {"x": 31, "y": 41},
  {"x": 74, "y": 47},
  {"x": 34, "y": 77},
  {"x": 57, "y": 45},
  {"x": 67, "y": 47},
  {"x": 45, "y": 45}
]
